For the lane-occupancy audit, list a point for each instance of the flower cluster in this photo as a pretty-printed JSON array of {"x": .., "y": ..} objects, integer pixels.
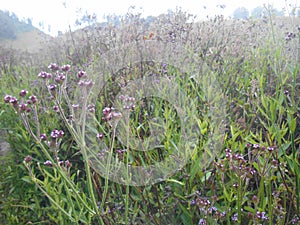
[
  {"x": 59, "y": 76},
  {"x": 237, "y": 164},
  {"x": 65, "y": 164},
  {"x": 109, "y": 113},
  {"x": 291, "y": 35},
  {"x": 22, "y": 105},
  {"x": 55, "y": 135},
  {"x": 128, "y": 102},
  {"x": 207, "y": 208}
]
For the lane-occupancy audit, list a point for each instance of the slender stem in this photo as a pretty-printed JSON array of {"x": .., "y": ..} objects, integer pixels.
[
  {"x": 108, "y": 169},
  {"x": 85, "y": 157},
  {"x": 239, "y": 203},
  {"x": 127, "y": 171}
]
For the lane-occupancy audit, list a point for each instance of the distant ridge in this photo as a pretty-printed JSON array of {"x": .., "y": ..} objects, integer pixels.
[{"x": 18, "y": 34}]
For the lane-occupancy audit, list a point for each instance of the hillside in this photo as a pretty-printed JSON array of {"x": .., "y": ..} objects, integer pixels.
[{"x": 21, "y": 35}]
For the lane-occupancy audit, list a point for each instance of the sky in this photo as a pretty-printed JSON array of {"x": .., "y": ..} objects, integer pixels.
[{"x": 59, "y": 14}]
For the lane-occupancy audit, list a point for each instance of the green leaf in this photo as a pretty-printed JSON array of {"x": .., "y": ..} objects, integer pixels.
[
  {"x": 292, "y": 125},
  {"x": 27, "y": 179},
  {"x": 186, "y": 217}
]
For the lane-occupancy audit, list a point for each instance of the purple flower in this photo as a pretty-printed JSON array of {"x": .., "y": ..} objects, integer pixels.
[
  {"x": 122, "y": 97},
  {"x": 101, "y": 154},
  {"x": 60, "y": 77},
  {"x": 249, "y": 145},
  {"x": 48, "y": 163},
  {"x": 202, "y": 222},
  {"x": 33, "y": 99},
  {"x": 52, "y": 87},
  {"x": 43, "y": 75},
  {"x": 255, "y": 199},
  {"x": 81, "y": 74},
  {"x": 271, "y": 148},
  {"x": 13, "y": 100},
  {"x": 68, "y": 164},
  {"x": 91, "y": 108},
  {"x": 43, "y": 137},
  {"x": 256, "y": 146},
  {"x": 235, "y": 217},
  {"x": 53, "y": 67},
  {"x": 57, "y": 134},
  {"x": 7, "y": 98},
  {"x": 261, "y": 215},
  {"x": 23, "y": 107},
  {"x": 71, "y": 117},
  {"x": 54, "y": 134},
  {"x": 65, "y": 68},
  {"x": 61, "y": 133},
  {"x": 23, "y": 93},
  {"x": 55, "y": 109},
  {"x": 100, "y": 135},
  {"x": 28, "y": 159},
  {"x": 121, "y": 151}
]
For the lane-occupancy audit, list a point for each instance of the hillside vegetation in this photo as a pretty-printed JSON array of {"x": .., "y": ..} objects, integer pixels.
[
  {"x": 11, "y": 26},
  {"x": 171, "y": 121}
]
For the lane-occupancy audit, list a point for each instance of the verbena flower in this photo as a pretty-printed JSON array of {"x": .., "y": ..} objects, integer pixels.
[
  {"x": 56, "y": 109},
  {"x": 100, "y": 135},
  {"x": 52, "y": 87},
  {"x": 53, "y": 67},
  {"x": 42, "y": 74},
  {"x": 48, "y": 163},
  {"x": 23, "y": 107},
  {"x": 60, "y": 78},
  {"x": 23, "y": 93},
  {"x": 7, "y": 98},
  {"x": 65, "y": 68},
  {"x": 57, "y": 134},
  {"x": 13, "y": 100},
  {"x": 68, "y": 164},
  {"x": 261, "y": 215},
  {"x": 81, "y": 74},
  {"x": 43, "y": 137},
  {"x": 33, "y": 98},
  {"x": 28, "y": 159}
]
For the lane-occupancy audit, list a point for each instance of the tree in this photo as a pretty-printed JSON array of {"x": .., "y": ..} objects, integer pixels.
[
  {"x": 29, "y": 21},
  {"x": 241, "y": 13}
]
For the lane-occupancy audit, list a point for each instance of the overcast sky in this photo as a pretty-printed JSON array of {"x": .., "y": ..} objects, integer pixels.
[{"x": 61, "y": 13}]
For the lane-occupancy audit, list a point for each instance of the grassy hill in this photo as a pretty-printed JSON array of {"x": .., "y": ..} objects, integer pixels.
[
  {"x": 18, "y": 34},
  {"x": 31, "y": 41}
]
